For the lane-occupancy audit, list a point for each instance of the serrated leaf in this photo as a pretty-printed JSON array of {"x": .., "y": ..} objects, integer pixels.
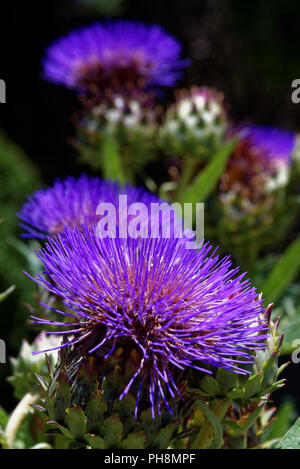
[
  {"x": 291, "y": 440},
  {"x": 208, "y": 178},
  {"x": 76, "y": 422},
  {"x": 112, "y": 431},
  {"x": 134, "y": 441},
  {"x": 94, "y": 412},
  {"x": 95, "y": 441},
  {"x": 210, "y": 386},
  {"x": 285, "y": 271}
]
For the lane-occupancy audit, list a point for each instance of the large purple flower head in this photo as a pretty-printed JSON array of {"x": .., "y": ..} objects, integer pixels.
[
  {"x": 73, "y": 203},
  {"x": 180, "y": 308},
  {"x": 122, "y": 54}
]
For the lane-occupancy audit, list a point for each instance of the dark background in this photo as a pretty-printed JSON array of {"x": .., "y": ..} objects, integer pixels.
[
  {"x": 250, "y": 50},
  {"x": 247, "y": 49}
]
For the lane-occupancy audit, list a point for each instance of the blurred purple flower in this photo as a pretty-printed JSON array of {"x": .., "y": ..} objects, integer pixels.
[
  {"x": 276, "y": 145},
  {"x": 73, "y": 202},
  {"x": 112, "y": 55}
]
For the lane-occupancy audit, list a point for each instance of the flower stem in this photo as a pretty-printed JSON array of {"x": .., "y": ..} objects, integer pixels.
[
  {"x": 187, "y": 173},
  {"x": 18, "y": 416},
  {"x": 205, "y": 436}
]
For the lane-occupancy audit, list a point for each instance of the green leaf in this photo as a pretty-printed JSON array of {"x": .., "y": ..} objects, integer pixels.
[
  {"x": 134, "y": 441},
  {"x": 3, "y": 417},
  {"x": 291, "y": 440},
  {"x": 237, "y": 393},
  {"x": 62, "y": 398},
  {"x": 65, "y": 431},
  {"x": 208, "y": 178},
  {"x": 226, "y": 380},
  {"x": 284, "y": 417},
  {"x": 94, "y": 412},
  {"x": 164, "y": 437},
  {"x": 283, "y": 273},
  {"x": 218, "y": 430},
  {"x": 210, "y": 386},
  {"x": 112, "y": 432},
  {"x": 6, "y": 293},
  {"x": 76, "y": 422},
  {"x": 125, "y": 409},
  {"x": 253, "y": 385},
  {"x": 96, "y": 442},
  {"x": 111, "y": 161}
]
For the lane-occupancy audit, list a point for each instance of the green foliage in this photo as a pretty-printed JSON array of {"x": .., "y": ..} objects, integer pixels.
[
  {"x": 6, "y": 293},
  {"x": 87, "y": 412},
  {"x": 18, "y": 178},
  {"x": 25, "y": 365},
  {"x": 111, "y": 160},
  {"x": 247, "y": 394},
  {"x": 284, "y": 418},
  {"x": 285, "y": 271},
  {"x": 205, "y": 183},
  {"x": 292, "y": 438}
]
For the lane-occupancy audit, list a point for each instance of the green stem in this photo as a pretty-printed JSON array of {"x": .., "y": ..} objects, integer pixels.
[
  {"x": 205, "y": 436},
  {"x": 186, "y": 175}
]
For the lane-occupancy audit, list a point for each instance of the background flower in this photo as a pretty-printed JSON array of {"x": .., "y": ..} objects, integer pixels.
[
  {"x": 73, "y": 202},
  {"x": 115, "y": 55}
]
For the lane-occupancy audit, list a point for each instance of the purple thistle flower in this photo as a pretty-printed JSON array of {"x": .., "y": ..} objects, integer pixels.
[
  {"x": 115, "y": 54},
  {"x": 182, "y": 308},
  {"x": 260, "y": 162},
  {"x": 275, "y": 145},
  {"x": 73, "y": 202}
]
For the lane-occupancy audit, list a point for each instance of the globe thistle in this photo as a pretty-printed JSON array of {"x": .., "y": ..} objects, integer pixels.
[
  {"x": 196, "y": 124},
  {"x": 260, "y": 162},
  {"x": 181, "y": 309},
  {"x": 121, "y": 55},
  {"x": 73, "y": 202}
]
